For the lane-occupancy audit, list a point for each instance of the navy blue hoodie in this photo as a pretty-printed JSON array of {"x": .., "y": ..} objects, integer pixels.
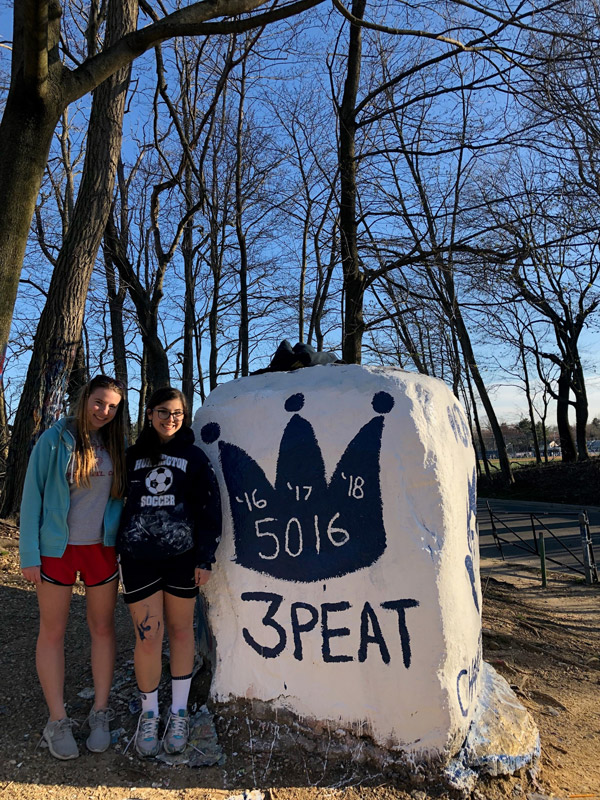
[{"x": 173, "y": 506}]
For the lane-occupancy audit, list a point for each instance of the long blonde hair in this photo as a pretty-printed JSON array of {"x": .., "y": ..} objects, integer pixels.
[{"x": 112, "y": 435}]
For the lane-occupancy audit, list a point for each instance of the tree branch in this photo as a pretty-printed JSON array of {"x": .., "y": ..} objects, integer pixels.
[
  {"x": 189, "y": 21},
  {"x": 396, "y": 31},
  {"x": 35, "y": 44}
]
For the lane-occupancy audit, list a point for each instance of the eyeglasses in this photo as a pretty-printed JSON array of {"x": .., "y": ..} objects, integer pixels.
[{"x": 164, "y": 414}]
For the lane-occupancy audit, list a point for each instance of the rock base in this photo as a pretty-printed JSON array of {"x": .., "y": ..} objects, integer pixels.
[{"x": 502, "y": 740}]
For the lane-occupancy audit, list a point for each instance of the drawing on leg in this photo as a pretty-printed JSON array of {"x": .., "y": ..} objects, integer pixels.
[{"x": 147, "y": 627}]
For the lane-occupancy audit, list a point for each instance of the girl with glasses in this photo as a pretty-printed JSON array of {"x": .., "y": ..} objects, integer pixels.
[
  {"x": 169, "y": 532},
  {"x": 69, "y": 518}
]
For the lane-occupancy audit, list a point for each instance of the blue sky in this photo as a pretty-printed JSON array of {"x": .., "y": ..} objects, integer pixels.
[{"x": 508, "y": 400}]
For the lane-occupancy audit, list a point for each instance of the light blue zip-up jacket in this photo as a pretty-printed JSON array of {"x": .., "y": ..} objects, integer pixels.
[{"x": 47, "y": 499}]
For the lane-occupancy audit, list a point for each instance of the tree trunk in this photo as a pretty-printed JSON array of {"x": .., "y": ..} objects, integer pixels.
[
  {"x": 545, "y": 435},
  {"x": 59, "y": 330},
  {"x": 116, "y": 300},
  {"x": 581, "y": 410},
  {"x": 25, "y": 139},
  {"x": 407, "y": 340},
  {"x": 454, "y": 358},
  {"x": 484, "y": 458},
  {"x": 144, "y": 394},
  {"x": 78, "y": 376},
  {"x": 157, "y": 363},
  {"x": 146, "y": 302},
  {"x": 216, "y": 267},
  {"x": 199, "y": 368},
  {"x": 302, "y": 289},
  {"x": 187, "y": 368},
  {"x": 4, "y": 433},
  {"x": 354, "y": 279},
  {"x": 239, "y": 229},
  {"x": 213, "y": 316},
  {"x": 567, "y": 445},
  {"x": 322, "y": 292},
  {"x": 534, "y": 436},
  {"x": 465, "y": 343},
  {"x": 32, "y": 111},
  {"x": 536, "y": 445}
]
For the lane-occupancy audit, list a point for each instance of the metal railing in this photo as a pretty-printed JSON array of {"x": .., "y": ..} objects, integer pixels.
[{"x": 536, "y": 546}]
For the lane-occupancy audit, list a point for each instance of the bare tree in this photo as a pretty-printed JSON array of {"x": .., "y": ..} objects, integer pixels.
[
  {"x": 487, "y": 36},
  {"x": 59, "y": 331},
  {"x": 556, "y": 273},
  {"x": 42, "y": 86},
  {"x": 116, "y": 289},
  {"x": 308, "y": 149}
]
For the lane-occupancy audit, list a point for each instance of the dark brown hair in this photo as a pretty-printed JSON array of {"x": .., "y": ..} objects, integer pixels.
[{"x": 148, "y": 441}]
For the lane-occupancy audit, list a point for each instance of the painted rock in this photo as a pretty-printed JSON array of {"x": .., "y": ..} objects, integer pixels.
[{"x": 346, "y": 588}]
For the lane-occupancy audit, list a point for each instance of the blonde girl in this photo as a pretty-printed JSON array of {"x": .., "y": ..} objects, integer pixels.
[{"x": 70, "y": 513}]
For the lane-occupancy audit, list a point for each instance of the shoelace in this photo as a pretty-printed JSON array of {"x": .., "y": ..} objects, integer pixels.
[
  {"x": 147, "y": 726},
  {"x": 178, "y": 726},
  {"x": 102, "y": 717},
  {"x": 64, "y": 727}
]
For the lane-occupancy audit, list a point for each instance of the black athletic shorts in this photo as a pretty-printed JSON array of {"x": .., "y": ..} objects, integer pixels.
[{"x": 141, "y": 579}]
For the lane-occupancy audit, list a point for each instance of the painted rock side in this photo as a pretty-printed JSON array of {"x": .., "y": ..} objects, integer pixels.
[{"x": 347, "y": 581}]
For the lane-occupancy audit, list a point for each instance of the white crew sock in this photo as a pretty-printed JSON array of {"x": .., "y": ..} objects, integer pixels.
[
  {"x": 180, "y": 689},
  {"x": 150, "y": 701}
]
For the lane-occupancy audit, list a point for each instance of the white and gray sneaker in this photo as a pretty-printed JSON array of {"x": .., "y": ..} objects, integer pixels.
[
  {"x": 177, "y": 732},
  {"x": 99, "y": 721},
  {"x": 59, "y": 736},
  {"x": 147, "y": 742}
]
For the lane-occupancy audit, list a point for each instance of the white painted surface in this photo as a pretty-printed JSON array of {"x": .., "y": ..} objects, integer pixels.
[{"x": 426, "y": 469}]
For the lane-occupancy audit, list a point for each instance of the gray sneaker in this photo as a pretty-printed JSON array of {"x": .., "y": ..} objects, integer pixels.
[
  {"x": 99, "y": 721},
  {"x": 177, "y": 732},
  {"x": 60, "y": 739},
  {"x": 147, "y": 742}
]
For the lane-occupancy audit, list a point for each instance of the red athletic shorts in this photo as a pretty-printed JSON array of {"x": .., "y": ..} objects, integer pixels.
[{"x": 95, "y": 563}]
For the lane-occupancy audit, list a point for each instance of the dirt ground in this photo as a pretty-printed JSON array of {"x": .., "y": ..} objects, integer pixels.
[{"x": 545, "y": 642}]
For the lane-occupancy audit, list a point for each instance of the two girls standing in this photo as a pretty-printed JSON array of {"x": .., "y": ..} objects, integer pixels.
[{"x": 72, "y": 502}]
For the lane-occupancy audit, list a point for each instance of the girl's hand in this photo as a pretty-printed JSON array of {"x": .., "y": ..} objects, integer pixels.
[
  {"x": 32, "y": 574},
  {"x": 202, "y": 576}
]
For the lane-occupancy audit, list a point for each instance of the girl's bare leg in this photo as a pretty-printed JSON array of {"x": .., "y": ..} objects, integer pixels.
[
  {"x": 147, "y": 616},
  {"x": 101, "y": 602},
  {"x": 54, "y": 603},
  {"x": 179, "y": 613}
]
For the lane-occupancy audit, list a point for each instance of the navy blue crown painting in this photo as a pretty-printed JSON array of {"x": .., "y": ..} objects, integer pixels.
[{"x": 304, "y": 529}]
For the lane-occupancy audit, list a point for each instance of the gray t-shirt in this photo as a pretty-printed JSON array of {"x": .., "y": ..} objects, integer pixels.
[{"x": 86, "y": 514}]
